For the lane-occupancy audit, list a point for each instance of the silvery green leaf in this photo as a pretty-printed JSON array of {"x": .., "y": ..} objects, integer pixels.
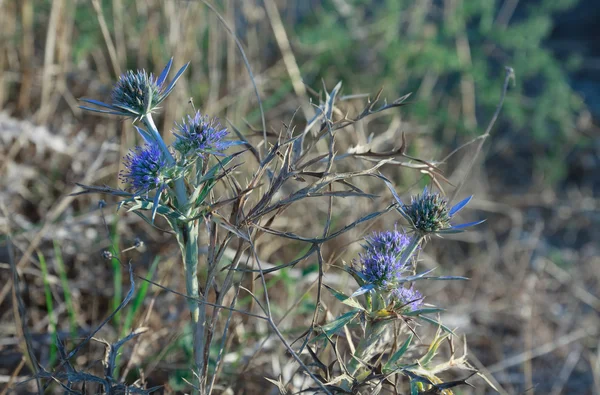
[
  {"x": 334, "y": 326},
  {"x": 358, "y": 276},
  {"x": 156, "y": 202},
  {"x": 437, "y": 323},
  {"x": 145, "y": 135},
  {"x": 164, "y": 73},
  {"x": 459, "y": 206},
  {"x": 398, "y": 354},
  {"x": 343, "y": 298},
  {"x": 427, "y": 310},
  {"x": 417, "y": 276},
  {"x": 174, "y": 81},
  {"x": 362, "y": 290},
  {"x": 162, "y": 210}
]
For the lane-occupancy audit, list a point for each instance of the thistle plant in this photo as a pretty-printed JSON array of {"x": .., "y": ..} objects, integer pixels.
[
  {"x": 162, "y": 171},
  {"x": 177, "y": 183},
  {"x": 388, "y": 301},
  {"x": 198, "y": 184}
]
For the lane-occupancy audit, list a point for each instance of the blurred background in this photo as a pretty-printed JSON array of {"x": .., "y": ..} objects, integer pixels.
[{"x": 530, "y": 313}]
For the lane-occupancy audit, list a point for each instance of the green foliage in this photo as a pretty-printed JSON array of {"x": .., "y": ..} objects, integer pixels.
[
  {"x": 452, "y": 57},
  {"x": 64, "y": 282}
]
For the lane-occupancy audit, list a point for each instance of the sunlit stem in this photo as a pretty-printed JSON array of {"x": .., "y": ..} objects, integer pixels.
[
  {"x": 187, "y": 236},
  {"x": 180, "y": 191},
  {"x": 364, "y": 349}
]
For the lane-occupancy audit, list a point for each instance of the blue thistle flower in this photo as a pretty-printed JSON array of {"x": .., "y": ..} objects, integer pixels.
[
  {"x": 381, "y": 261},
  {"x": 389, "y": 242},
  {"x": 137, "y": 93},
  {"x": 429, "y": 213},
  {"x": 407, "y": 298},
  {"x": 146, "y": 168},
  {"x": 200, "y": 136}
]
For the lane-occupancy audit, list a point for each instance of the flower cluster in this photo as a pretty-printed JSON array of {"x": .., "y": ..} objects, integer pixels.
[
  {"x": 390, "y": 243},
  {"x": 146, "y": 168},
  {"x": 200, "y": 136},
  {"x": 407, "y": 298},
  {"x": 381, "y": 260}
]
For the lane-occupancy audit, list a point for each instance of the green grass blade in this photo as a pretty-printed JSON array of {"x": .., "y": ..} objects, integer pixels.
[
  {"x": 139, "y": 299},
  {"x": 135, "y": 306},
  {"x": 62, "y": 274},
  {"x": 50, "y": 309},
  {"x": 117, "y": 275}
]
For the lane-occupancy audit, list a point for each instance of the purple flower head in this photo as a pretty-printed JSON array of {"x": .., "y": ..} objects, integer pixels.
[
  {"x": 381, "y": 264},
  {"x": 429, "y": 213},
  {"x": 200, "y": 136},
  {"x": 145, "y": 168},
  {"x": 389, "y": 242},
  {"x": 137, "y": 93},
  {"x": 407, "y": 298}
]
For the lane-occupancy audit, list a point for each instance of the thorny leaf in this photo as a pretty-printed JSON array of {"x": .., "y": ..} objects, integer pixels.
[
  {"x": 279, "y": 384},
  {"x": 343, "y": 298},
  {"x": 398, "y": 354},
  {"x": 331, "y": 328}
]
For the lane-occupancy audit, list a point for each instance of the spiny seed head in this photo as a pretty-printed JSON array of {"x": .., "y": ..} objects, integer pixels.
[
  {"x": 145, "y": 168},
  {"x": 407, "y": 298},
  {"x": 200, "y": 135},
  {"x": 137, "y": 92},
  {"x": 428, "y": 212},
  {"x": 381, "y": 264}
]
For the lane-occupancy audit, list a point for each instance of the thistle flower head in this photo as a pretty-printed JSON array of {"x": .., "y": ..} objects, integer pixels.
[
  {"x": 389, "y": 242},
  {"x": 137, "y": 93},
  {"x": 381, "y": 263},
  {"x": 407, "y": 298},
  {"x": 429, "y": 213},
  {"x": 200, "y": 135},
  {"x": 145, "y": 168}
]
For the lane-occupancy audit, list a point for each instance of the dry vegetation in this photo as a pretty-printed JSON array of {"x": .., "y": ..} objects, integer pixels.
[{"x": 529, "y": 312}]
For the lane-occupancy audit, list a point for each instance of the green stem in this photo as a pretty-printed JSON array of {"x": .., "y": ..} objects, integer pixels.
[
  {"x": 188, "y": 242},
  {"x": 373, "y": 333},
  {"x": 187, "y": 236},
  {"x": 180, "y": 191}
]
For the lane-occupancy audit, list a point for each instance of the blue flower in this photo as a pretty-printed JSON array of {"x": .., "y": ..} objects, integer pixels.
[
  {"x": 137, "y": 93},
  {"x": 381, "y": 263},
  {"x": 145, "y": 169},
  {"x": 200, "y": 136},
  {"x": 389, "y": 242},
  {"x": 429, "y": 213},
  {"x": 407, "y": 298}
]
